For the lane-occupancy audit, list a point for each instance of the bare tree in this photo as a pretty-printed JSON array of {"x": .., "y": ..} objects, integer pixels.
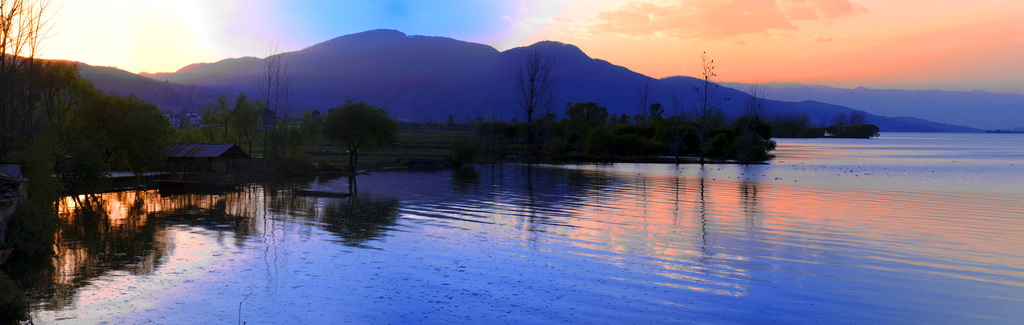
[
  {"x": 857, "y": 117},
  {"x": 750, "y": 122},
  {"x": 59, "y": 91},
  {"x": 707, "y": 107},
  {"x": 274, "y": 86},
  {"x": 678, "y": 134},
  {"x": 755, "y": 105},
  {"x": 643, "y": 97},
  {"x": 678, "y": 109},
  {"x": 24, "y": 24},
  {"x": 839, "y": 119},
  {"x": 534, "y": 88}
]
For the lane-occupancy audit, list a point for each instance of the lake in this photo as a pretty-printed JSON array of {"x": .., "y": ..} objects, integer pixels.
[{"x": 905, "y": 228}]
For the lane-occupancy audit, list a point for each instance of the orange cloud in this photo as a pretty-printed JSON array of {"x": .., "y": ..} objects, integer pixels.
[
  {"x": 980, "y": 56},
  {"x": 819, "y": 9},
  {"x": 711, "y": 19},
  {"x": 819, "y": 38}
]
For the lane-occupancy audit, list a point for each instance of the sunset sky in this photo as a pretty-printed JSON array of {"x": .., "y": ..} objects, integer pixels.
[{"x": 911, "y": 44}]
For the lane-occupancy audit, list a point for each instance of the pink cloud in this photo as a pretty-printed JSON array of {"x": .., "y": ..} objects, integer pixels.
[
  {"x": 819, "y": 9},
  {"x": 708, "y": 19}
]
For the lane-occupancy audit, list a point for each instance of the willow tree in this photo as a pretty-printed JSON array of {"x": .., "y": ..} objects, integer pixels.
[
  {"x": 216, "y": 121},
  {"x": 245, "y": 117},
  {"x": 360, "y": 126},
  {"x": 131, "y": 132}
]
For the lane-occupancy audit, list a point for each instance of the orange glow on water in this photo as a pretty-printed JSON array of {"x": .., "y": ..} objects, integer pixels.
[
  {"x": 621, "y": 239},
  {"x": 681, "y": 220}
]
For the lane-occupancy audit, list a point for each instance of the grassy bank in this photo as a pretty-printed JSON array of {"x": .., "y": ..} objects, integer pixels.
[{"x": 419, "y": 146}]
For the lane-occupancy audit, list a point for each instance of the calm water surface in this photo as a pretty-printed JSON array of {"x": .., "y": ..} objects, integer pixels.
[{"x": 906, "y": 228}]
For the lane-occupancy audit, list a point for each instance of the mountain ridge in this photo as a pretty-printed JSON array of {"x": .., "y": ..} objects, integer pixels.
[
  {"x": 170, "y": 97},
  {"x": 977, "y": 109},
  {"x": 427, "y": 78}
]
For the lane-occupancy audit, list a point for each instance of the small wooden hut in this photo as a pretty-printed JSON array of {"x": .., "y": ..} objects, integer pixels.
[
  {"x": 12, "y": 189},
  {"x": 192, "y": 157}
]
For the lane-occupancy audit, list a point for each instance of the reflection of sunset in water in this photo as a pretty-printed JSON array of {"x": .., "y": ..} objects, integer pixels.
[
  {"x": 511, "y": 243},
  {"x": 692, "y": 226},
  {"x": 661, "y": 218},
  {"x": 116, "y": 232},
  {"x": 120, "y": 208},
  {"x": 103, "y": 232}
]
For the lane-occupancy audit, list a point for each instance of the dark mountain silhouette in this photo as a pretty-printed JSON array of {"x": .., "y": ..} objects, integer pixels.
[
  {"x": 819, "y": 113},
  {"x": 977, "y": 109},
  {"x": 416, "y": 78},
  {"x": 420, "y": 78},
  {"x": 170, "y": 97}
]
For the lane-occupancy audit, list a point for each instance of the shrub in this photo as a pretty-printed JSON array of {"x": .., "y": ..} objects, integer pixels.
[{"x": 465, "y": 149}]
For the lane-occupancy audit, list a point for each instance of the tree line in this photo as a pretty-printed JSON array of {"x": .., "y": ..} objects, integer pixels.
[
  {"x": 254, "y": 127},
  {"x": 355, "y": 126},
  {"x": 588, "y": 132},
  {"x": 57, "y": 123},
  {"x": 841, "y": 126}
]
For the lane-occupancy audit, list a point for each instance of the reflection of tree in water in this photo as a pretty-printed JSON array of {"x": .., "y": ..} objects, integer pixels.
[
  {"x": 531, "y": 221},
  {"x": 703, "y": 216},
  {"x": 531, "y": 200},
  {"x": 748, "y": 193},
  {"x": 210, "y": 212},
  {"x": 541, "y": 195},
  {"x": 465, "y": 177},
  {"x": 360, "y": 218},
  {"x": 97, "y": 234},
  {"x": 13, "y": 307},
  {"x": 721, "y": 268},
  {"x": 586, "y": 181},
  {"x": 127, "y": 231}
]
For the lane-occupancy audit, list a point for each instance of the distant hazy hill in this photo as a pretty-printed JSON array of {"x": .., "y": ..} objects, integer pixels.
[
  {"x": 977, "y": 109},
  {"x": 168, "y": 96},
  {"x": 422, "y": 78}
]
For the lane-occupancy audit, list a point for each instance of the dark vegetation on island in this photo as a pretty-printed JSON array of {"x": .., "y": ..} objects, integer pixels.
[
  {"x": 843, "y": 126},
  {"x": 590, "y": 134},
  {"x": 1005, "y": 131}
]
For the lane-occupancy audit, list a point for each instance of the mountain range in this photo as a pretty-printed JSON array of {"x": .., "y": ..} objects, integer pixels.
[
  {"x": 421, "y": 78},
  {"x": 976, "y": 109},
  {"x": 170, "y": 97}
]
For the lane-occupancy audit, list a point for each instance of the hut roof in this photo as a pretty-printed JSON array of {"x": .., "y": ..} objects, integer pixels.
[
  {"x": 194, "y": 150},
  {"x": 12, "y": 170}
]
